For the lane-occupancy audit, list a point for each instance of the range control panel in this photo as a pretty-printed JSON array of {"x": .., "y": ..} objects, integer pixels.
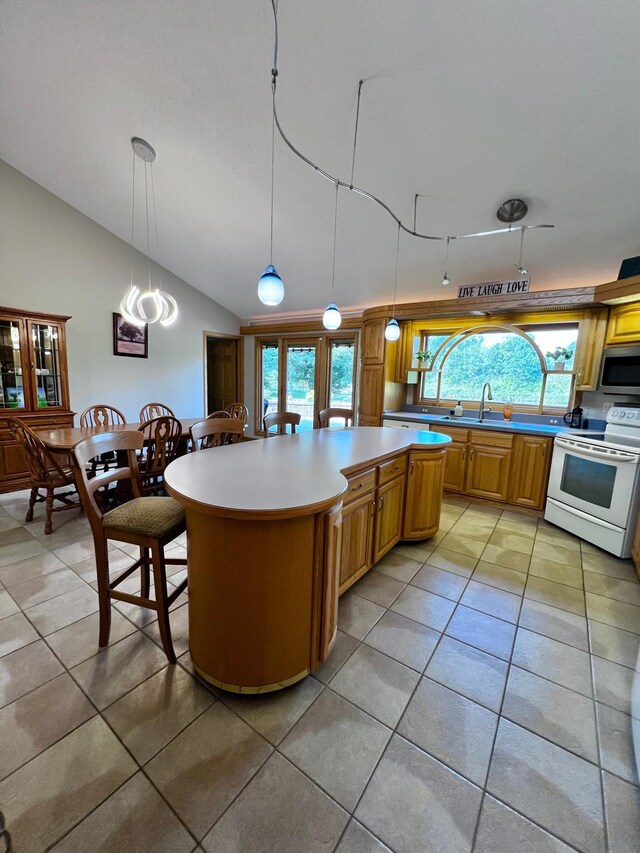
[{"x": 629, "y": 415}]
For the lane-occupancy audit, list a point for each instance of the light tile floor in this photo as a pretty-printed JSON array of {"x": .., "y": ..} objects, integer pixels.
[{"x": 478, "y": 697}]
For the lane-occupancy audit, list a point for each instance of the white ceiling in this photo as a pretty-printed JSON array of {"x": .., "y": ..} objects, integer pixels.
[{"x": 469, "y": 103}]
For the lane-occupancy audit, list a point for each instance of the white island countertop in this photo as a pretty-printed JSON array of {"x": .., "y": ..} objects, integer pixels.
[{"x": 286, "y": 475}]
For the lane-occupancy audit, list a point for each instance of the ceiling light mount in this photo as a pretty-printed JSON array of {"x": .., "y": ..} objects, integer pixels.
[
  {"x": 143, "y": 150},
  {"x": 512, "y": 210}
]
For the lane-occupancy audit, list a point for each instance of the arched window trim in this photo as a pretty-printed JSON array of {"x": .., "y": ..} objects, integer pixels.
[{"x": 466, "y": 333}]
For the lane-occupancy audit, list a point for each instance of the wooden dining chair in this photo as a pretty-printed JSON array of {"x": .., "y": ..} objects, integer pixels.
[
  {"x": 239, "y": 410},
  {"x": 154, "y": 410},
  {"x": 150, "y": 522},
  {"x": 281, "y": 420},
  {"x": 220, "y": 413},
  {"x": 102, "y": 415},
  {"x": 216, "y": 432},
  {"x": 326, "y": 414},
  {"x": 162, "y": 437},
  {"x": 46, "y": 473}
]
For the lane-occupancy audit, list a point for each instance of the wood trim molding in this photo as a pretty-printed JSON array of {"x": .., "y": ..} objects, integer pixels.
[
  {"x": 287, "y": 327},
  {"x": 617, "y": 292},
  {"x": 35, "y": 315}
]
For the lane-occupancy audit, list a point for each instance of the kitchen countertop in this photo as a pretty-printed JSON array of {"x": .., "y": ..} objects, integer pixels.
[{"x": 488, "y": 424}]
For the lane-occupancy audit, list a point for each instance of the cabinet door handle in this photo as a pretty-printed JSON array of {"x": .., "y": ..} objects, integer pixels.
[
  {"x": 413, "y": 462},
  {"x": 381, "y": 505},
  {"x": 471, "y": 455},
  {"x": 464, "y": 454},
  {"x": 373, "y": 507},
  {"x": 544, "y": 450}
]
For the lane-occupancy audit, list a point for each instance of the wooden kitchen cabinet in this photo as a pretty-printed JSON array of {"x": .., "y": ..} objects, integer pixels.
[
  {"x": 371, "y": 394},
  {"x": 530, "y": 471},
  {"x": 373, "y": 341},
  {"x": 456, "y": 457},
  {"x": 488, "y": 472},
  {"x": 624, "y": 324},
  {"x": 422, "y": 502},
  {"x": 357, "y": 538},
  {"x": 333, "y": 550},
  {"x": 388, "y": 521}
]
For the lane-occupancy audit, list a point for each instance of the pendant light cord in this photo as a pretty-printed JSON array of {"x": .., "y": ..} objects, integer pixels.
[
  {"x": 155, "y": 222},
  {"x": 273, "y": 143},
  {"x": 335, "y": 233},
  {"x": 146, "y": 207},
  {"x": 521, "y": 243},
  {"x": 395, "y": 281},
  {"x": 355, "y": 135},
  {"x": 446, "y": 258}
]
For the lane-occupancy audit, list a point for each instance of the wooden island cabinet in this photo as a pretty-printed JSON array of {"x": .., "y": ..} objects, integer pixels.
[{"x": 277, "y": 529}]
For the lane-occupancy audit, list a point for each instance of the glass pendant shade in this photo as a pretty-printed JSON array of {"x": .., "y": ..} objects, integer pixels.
[
  {"x": 392, "y": 331},
  {"x": 331, "y": 318},
  {"x": 270, "y": 287}
]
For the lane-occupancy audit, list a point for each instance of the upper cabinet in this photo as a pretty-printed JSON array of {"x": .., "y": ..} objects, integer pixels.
[
  {"x": 624, "y": 324},
  {"x": 33, "y": 384},
  {"x": 373, "y": 341}
]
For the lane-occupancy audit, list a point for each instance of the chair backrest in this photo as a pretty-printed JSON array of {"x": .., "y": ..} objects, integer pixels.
[
  {"x": 281, "y": 420},
  {"x": 216, "y": 432},
  {"x": 44, "y": 468},
  {"x": 239, "y": 410},
  {"x": 161, "y": 442},
  {"x": 98, "y": 445},
  {"x": 101, "y": 416},
  {"x": 221, "y": 413},
  {"x": 154, "y": 410},
  {"x": 326, "y": 414}
]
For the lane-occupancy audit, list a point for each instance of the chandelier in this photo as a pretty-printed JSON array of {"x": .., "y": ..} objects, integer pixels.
[{"x": 152, "y": 305}]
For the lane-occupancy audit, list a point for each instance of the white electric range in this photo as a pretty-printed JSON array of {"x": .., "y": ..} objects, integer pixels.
[{"x": 594, "y": 484}]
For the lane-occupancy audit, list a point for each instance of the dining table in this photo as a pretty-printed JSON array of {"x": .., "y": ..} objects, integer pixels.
[{"x": 64, "y": 439}]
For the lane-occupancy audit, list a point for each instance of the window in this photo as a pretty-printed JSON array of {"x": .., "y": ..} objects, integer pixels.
[
  {"x": 304, "y": 375},
  {"x": 512, "y": 359}
]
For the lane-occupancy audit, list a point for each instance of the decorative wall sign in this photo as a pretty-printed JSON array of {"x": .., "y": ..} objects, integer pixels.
[
  {"x": 128, "y": 339},
  {"x": 494, "y": 288}
]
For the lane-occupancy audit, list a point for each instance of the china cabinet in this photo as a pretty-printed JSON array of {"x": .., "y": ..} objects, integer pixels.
[{"x": 33, "y": 384}]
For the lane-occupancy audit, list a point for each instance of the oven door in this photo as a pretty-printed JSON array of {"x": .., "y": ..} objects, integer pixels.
[{"x": 596, "y": 480}]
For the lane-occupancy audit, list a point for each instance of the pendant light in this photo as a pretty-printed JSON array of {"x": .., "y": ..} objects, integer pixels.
[
  {"x": 331, "y": 318},
  {"x": 153, "y": 305},
  {"x": 445, "y": 279},
  {"x": 518, "y": 266},
  {"x": 270, "y": 286},
  {"x": 392, "y": 331}
]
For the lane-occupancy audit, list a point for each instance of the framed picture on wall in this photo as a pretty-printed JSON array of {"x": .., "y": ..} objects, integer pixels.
[{"x": 129, "y": 339}]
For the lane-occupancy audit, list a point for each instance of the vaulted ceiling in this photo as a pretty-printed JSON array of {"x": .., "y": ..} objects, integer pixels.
[{"x": 466, "y": 103}]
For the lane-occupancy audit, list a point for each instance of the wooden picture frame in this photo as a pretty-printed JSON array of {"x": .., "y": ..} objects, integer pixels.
[{"x": 129, "y": 340}]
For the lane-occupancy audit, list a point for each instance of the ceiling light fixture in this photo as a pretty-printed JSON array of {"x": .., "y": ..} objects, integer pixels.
[
  {"x": 270, "y": 286},
  {"x": 350, "y": 186},
  {"x": 445, "y": 278},
  {"x": 392, "y": 331},
  {"x": 331, "y": 318},
  {"x": 153, "y": 305}
]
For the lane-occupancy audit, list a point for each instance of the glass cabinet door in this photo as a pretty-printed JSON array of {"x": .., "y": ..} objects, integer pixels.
[
  {"x": 12, "y": 365},
  {"x": 45, "y": 344}
]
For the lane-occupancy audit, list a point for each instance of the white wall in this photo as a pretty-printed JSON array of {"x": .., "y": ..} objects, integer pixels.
[{"x": 55, "y": 259}]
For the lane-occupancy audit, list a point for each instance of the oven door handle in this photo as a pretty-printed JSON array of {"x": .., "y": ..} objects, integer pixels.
[
  {"x": 587, "y": 451},
  {"x": 587, "y": 517}
]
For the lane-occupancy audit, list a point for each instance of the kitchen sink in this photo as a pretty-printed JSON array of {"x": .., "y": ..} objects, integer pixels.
[{"x": 462, "y": 419}]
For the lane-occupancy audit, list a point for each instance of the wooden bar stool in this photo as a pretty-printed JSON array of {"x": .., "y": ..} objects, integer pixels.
[
  {"x": 281, "y": 420},
  {"x": 326, "y": 414},
  {"x": 216, "y": 432},
  {"x": 149, "y": 522}
]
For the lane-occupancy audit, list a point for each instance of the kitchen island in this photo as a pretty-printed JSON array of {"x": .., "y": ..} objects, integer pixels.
[{"x": 267, "y": 556}]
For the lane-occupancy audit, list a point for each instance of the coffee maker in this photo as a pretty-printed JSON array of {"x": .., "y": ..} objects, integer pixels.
[{"x": 574, "y": 418}]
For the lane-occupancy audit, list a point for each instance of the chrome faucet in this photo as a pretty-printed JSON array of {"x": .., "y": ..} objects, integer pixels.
[{"x": 486, "y": 387}]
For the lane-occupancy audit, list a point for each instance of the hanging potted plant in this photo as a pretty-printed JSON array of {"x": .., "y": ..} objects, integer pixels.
[{"x": 560, "y": 356}]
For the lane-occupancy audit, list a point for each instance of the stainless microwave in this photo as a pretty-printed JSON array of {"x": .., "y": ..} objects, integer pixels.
[{"x": 620, "y": 370}]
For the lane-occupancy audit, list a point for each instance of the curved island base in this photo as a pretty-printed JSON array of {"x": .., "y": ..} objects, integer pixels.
[{"x": 276, "y": 529}]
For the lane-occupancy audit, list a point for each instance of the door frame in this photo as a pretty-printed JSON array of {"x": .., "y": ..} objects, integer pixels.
[{"x": 218, "y": 335}]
